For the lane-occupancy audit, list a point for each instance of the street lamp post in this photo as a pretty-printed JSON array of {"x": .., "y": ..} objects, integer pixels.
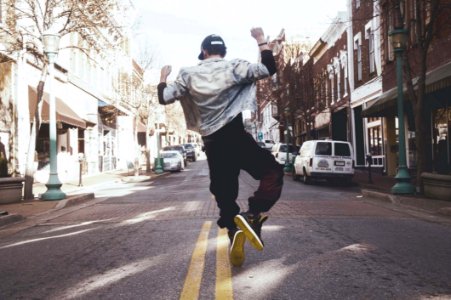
[
  {"x": 51, "y": 47},
  {"x": 288, "y": 165},
  {"x": 158, "y": 159},
  {"x": 403, "y": 185}
]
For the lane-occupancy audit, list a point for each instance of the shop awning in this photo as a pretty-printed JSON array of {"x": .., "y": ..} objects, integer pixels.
[
  {"x": 382, "y": 106},
  {"x": 385, "y": 105},
  {"x": 64, "y": 113}
]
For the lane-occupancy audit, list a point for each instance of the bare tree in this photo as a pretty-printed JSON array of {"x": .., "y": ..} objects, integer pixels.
[
  {"x": 138, "y": 98},
  {"x": 175, "y": 119},
  {"x": 93, "y": 21},
  {"x": 426, "y": 22}
]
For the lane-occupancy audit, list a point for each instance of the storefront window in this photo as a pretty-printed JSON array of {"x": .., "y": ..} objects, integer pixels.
[
  {"x": 442, "y": 145},
  {"x": 375, "y": 140}
]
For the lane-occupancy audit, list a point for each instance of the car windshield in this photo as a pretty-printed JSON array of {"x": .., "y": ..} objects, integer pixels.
[
  {"x": 323, "y": 148},
  {"x": 283, "y": 148},
  {"x": 176, "y": 148},
  {"x": 342, "y": 149},
  {"x": 189, "y": 146},
  {"x": 169, "y": 155}
]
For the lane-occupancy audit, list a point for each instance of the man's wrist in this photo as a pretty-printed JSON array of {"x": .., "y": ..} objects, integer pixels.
[{"x": 262, "y": 45}]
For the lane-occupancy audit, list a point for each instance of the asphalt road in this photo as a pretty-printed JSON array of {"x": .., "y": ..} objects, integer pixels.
[{"x": 159, "y": 240}]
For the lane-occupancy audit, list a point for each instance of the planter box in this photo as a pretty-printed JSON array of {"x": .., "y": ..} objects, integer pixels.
[
  {"x": 437, "y": 186},
  {"x": 11, "y": 189}
]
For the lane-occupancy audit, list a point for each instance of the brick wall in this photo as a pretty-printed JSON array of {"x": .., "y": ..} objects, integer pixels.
[
  {"x": 361, "y": 27},
  {"x": 438, "y": 53}
]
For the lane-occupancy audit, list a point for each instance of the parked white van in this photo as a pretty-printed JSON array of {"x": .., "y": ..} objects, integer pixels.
[{"x": 326, "y": 159}]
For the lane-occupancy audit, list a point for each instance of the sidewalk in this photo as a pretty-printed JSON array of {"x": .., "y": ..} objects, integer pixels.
[
  {"x": 379, "y": 190},
  {"x": 75, "y": 194}
]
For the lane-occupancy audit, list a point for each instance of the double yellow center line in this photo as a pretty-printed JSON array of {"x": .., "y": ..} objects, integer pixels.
[{"x": 224, "y": 290}]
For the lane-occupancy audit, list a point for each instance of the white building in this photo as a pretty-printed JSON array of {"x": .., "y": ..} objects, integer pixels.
[{"x": 95, "y": 119}]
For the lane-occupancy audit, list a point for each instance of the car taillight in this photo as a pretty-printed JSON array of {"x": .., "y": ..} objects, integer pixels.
[{"x": 311, "y": 162}]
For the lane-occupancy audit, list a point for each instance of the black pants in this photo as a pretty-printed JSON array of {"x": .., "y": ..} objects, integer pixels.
[{"x": 230, "y": 150}]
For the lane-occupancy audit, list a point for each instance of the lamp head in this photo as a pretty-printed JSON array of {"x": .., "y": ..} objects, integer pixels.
[
  {"x": 398, "y": 38},
  {"x": 51, "y": 42}
]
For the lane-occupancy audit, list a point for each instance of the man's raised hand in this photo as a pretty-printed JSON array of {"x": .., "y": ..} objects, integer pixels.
[{"x": 165, "y": 71}]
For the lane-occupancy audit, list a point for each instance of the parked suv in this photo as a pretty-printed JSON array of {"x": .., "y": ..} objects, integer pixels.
[
  {"x": 190, "y": 151},
  {"x": 279, "y": 150},
  {"x": 327, "y": 159}
]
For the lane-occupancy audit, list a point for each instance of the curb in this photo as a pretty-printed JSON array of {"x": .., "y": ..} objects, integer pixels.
[
  {"x": 137, "y": 179},
  {"x": 380, "y": 196},
  {"x": 446, "y": 211},
  {"x": 74, "y": 199},
  {"x": 425, "y": 205},
  {"x": 8, "y": 219},
  {"x": 69, "y": 201}
]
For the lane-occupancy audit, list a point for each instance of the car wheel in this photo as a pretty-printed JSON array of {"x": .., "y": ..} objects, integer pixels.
[{"x": 296, "y": 177}]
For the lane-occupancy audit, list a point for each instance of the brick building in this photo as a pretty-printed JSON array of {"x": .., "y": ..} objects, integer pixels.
[
  {"x": 435, "y": 108},
  {"x": 322, "y": 100},
  {"x": 345, "y": 88}
]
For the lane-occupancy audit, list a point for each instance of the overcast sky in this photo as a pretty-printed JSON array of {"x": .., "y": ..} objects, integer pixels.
[{"x": 174, "y": 29}]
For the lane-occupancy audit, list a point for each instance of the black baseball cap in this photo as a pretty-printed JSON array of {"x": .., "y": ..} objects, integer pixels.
[{"x": 214, "y": 44}]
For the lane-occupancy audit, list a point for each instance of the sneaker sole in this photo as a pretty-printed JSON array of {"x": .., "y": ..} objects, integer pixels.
[
  {"x": 248, "y": 232},
  {"x": 262, "y": 220},
  {"x": 237, "y": 249}
]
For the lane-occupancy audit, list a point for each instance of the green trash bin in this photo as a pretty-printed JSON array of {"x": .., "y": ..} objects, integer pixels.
[{"x": 158, "y": 165}]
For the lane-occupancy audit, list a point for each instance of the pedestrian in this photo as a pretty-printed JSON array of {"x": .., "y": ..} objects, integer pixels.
[
  {"x": 213, "y": 95},
  {"x": 3, "y": 160}
]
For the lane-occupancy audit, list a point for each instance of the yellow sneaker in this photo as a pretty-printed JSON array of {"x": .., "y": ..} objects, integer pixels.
[
  {"x": 249, "y": 225},
  {"x": 236, "y": 253}
]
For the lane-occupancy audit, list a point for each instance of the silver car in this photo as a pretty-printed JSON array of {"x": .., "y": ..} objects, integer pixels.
[{"x": 172, "y": 161}]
